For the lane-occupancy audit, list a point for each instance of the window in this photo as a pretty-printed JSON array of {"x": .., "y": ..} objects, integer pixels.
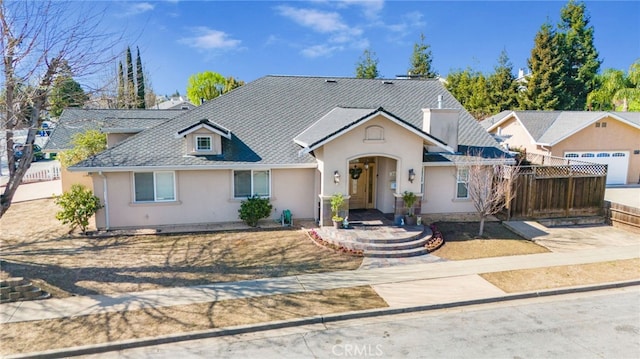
[
  {"x": 587, "y": 155},
  {"x": 618, "y": 154},
  {"x": 203, "y": 143},
  {"x": 154, "y": 186},
  {"x": 571, "y": 155},
  {"x": 250, "y": 182},
  {"x": 603, "y": 154},
  {"x": 461, "y": 183}
]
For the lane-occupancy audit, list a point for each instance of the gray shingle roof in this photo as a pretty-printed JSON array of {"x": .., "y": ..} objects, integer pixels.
[
  {"x": 265, "y": 115},
  {"x": 550, "y": 127},
  {"x": 332, "y": 122},
  {"x": 77, "y": 120}
]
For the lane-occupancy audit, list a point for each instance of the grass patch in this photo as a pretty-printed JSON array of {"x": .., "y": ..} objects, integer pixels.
[
  {"x": 462, "y": 241},
  {"x": 525, "y": 280},
  {"x": 71, "y": 265},
  {"x": 94, "y": 329}
]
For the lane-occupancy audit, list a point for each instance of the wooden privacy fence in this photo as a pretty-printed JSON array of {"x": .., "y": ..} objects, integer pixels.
[
  {"x": 558, "y": 187},
  {"x": 620, "y": 215}
]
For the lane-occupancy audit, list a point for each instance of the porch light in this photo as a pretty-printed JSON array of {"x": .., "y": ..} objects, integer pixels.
[
  {"x": 336, "y": 177},
  {"x": 412, "y": 175},
  {"x": 366, "y": 165}
]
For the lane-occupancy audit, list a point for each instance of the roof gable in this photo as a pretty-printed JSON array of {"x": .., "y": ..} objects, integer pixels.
[
  {"x": 206, "y": 124},
  {"x": 341, "y": 120}
]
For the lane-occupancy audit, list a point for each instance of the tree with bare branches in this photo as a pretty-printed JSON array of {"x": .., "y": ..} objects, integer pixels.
[
  {"x": 37, "y": 39},
  {"x": 489, "y": 186}
]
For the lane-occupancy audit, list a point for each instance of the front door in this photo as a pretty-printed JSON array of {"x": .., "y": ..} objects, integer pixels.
[{"x": 361, "y": 186}]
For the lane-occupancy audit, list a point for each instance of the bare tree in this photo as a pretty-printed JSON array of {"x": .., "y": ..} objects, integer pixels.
[
  {"x": 489, "y": 186},
  {"x": 37, "y": 38}
]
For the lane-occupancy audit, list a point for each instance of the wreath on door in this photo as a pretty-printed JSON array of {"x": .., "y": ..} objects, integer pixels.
[{"x": 355, "y": 172}]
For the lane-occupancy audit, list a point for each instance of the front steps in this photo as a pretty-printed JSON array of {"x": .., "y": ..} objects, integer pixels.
[
  {"x": 380, "y": 241},
  {"x": 18, "y": 289}
]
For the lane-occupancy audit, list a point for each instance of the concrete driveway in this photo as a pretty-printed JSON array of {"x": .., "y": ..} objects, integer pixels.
[{"x": 573, "y": 238}]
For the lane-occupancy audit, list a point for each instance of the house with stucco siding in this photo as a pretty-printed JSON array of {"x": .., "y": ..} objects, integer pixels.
[
  {"x": 296, "y": 140},
  {"x": 611, "y": 138}
]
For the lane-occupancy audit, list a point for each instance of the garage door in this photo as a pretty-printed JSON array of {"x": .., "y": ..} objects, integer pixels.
[{"x": 617, "y": 161}]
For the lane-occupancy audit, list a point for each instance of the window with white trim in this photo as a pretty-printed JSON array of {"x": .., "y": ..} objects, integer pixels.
[
  {"x": 247, "y": 183},
  {"x": 203, "y": 143},
  {"x": 154, "y": 186},
  {"x": 571, "y": 155},
  {"x": 462, "y": 179}
]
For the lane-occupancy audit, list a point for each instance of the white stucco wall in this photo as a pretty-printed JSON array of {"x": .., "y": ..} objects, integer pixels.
[
  {"x": 202, "y": 197},
  {"x": 440, "y": 192}
]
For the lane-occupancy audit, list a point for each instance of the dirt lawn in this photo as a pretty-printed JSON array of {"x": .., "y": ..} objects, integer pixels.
[
  {"x": 34, "y": 245},
  {"x": 462, "y": 242}
]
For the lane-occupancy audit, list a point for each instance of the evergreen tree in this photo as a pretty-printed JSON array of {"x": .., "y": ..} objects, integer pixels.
[
  {"x": 231, "y": 83},
  {"x": 120, "y": 100},
  {"x": 140, "y": 81},
  {"x": 579, "y": 55},
  {"x": 470, "y": 88},
  {"x": 131, "y": 86},
  {"x": 65, "y": 92},
  {"x": 502, "y": 86},
  {"x": 421, "y": 60},
  {"x": 545, "y": 86},
  {"x": 367, "y": 66}
]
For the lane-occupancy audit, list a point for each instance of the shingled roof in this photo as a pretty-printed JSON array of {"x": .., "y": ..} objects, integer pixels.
[
  {"x": 264, "y": 117},
  {"x": 78, "y": 120},
  {"x": 551, "y": 127}
]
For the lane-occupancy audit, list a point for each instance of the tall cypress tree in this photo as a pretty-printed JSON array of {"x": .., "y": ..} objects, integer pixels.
[
  {"x": 140, "y": 81},
  {"x": 545, "y": 86},
  {"x": 120, "y": 100},
  {"x": 579, "y": 55},
  {"x": 131, "y": 86},
  {"x": 421, "y": 60}
]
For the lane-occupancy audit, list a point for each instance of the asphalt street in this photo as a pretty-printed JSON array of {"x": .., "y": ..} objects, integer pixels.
[{"x": 604, "y": 324}]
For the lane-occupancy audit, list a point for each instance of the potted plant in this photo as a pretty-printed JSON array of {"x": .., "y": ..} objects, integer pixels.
[
  {"x": 409, "y": 199},
  {"x": 337, "y": 201}
]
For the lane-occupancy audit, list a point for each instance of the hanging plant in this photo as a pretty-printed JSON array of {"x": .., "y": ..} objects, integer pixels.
[{"x": 355, "y": 172}]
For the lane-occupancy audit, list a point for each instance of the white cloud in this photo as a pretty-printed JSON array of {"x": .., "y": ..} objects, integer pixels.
[
  {"x": 320, "y": 21},
  {"x": 209, "y": 39},
  {"x": 139, "y": 8},
  {"x": 340, "y": 34},
  {"x": 371, "y": 8},
  {"x": 320, "y": 50}
]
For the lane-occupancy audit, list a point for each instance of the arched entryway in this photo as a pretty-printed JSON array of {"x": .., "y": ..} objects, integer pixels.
[{"x": 371, "y": 183}]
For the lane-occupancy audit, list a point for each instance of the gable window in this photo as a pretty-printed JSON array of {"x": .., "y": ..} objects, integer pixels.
[
  {"x": 462, "y": 179},
  {"x": 154, "y": 186},
  {"x": 203, "y": 143},
  {"x": 247, "y": 183}
]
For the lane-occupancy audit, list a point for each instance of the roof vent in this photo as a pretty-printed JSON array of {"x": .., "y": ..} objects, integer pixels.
[
  {"x": 386, "y": 82},
  {"x": 331, "y": 81}
]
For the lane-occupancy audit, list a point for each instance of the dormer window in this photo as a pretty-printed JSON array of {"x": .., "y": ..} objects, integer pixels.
[
  {"x": 203, "y": 143},
  {"x": 204, "y": 138}
]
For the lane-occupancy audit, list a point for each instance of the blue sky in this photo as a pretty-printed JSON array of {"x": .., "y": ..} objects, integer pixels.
[{"x": 251, "y": 39}]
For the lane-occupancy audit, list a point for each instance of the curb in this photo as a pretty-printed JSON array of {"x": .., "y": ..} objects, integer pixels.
[{"x": 318, "y": 319}]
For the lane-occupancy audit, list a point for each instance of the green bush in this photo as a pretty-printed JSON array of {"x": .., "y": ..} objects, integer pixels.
[
  {"x": 78, "y": 205},
  {"x": 254, "y": 209}
]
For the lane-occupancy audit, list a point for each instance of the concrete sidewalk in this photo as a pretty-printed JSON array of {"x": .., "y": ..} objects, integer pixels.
[{"x": 404, "y": 285}]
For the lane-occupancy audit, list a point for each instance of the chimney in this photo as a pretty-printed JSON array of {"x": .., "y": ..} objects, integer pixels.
[{"x": 441, "y": 123}]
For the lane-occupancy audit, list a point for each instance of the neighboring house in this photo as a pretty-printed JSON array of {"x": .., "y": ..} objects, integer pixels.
[
  {"x": 117, "y": 124},
  {"x": 296, "y": 140},
  {"x": 611, "y": 138},
  {"x": 175, "y": 103}
]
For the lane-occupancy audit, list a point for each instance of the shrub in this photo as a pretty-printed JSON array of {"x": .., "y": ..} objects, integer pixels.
[
  {"x": 254, "y": 209},
  {"x": 78, "y": 205}
]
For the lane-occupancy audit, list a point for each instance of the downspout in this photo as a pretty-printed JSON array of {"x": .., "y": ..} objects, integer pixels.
[{"x": 106, "y": 203}]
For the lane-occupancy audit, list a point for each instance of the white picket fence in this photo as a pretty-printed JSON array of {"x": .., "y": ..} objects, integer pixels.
[{"x": 46, "y": 174}]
